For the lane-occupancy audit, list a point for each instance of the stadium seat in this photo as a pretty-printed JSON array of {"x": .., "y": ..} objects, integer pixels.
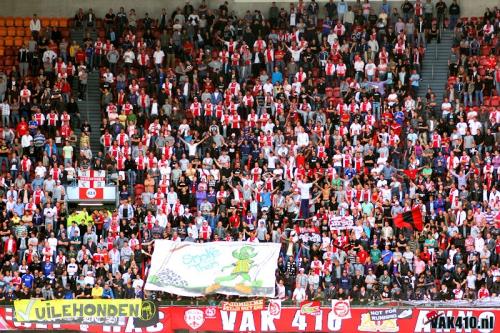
[
  {"x": 54, "y": 22},
  {"x": 485, "y": 50},
  {"x": 27, "y": 21},
  {"x": 9, "y": 21},
  {"x": 9, "y": 61},
  {"x": 9, "y": 51},
  {"x": 3, "y": 31},
  {"x": 9, "y": 41},
  {"x": 45, "y": 22},
  {"x": 27, "y": 31},
  {"x": 20, "y": 32},
  {"x": 495, "y": 101},
  {"x": 18, "y": 41},
  {"x": 315, "y": 72},
  {"x": 11, "y": 32},
  {"x": 336, "y": 92},
  {"x": 18, "y": 21},
  {"x": 328, "y": 92},
  {"x": 63, "y": 22},
  {"x": 2, "y": 51},
  {"x": 2, "y": 22}
]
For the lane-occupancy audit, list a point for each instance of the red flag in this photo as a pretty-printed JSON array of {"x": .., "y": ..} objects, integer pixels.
[{"x": 411, "y": 220}]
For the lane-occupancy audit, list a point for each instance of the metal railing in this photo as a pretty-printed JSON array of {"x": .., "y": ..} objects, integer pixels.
[{"x": 199, "y": 302}]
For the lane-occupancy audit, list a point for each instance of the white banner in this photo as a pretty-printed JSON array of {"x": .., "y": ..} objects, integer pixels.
[
  {"x": 91, "y": 178},
  {"x": 230, "y": 268},
  {"x": 341, "y": 309},
  {"x": 341, "y": 222},
  {"x": 274, "y": 308}
]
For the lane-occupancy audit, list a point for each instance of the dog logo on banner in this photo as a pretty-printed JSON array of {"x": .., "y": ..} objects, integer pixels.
[{"x": 194, "y": 318}]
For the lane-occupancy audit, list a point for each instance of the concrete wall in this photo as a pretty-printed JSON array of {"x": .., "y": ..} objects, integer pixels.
[{"x": 65, "y": 8}]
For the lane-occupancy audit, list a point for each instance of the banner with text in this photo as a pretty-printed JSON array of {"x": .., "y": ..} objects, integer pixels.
[
  {"x": 230, "y": 268},
  {"x": 35, "y": 310},
  {"x": 341, "y": 222},
  {"x": 373, "y": 320}
]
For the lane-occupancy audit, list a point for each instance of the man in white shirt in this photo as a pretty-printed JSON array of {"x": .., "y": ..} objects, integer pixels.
[
  {"x": 50, "y": 214},
  {"x": 49, "y": 56},
  {"x": 305, "y": 195},
  {"x": 268, "y": 87},
  {"x": 302, "y": 138},
  {"x": 26, "y": 141},
  {"x": 108, "y": 76},
  {"x": 35, "y": 26},
  {"x": 370, "y": 69},
  {"x": 40, "y": 170},
  {"x": 474, "y": 126},
  {"x": 462, "y": 127},
  {"x": 5, "y": 107},
  {"x": 128, "y": 57},
  {"x": 446, "y": 108},
  {"x": 295, "y": 53},
  {"x": 299, "y": 294},
  {"x": 158, "y": 56}
]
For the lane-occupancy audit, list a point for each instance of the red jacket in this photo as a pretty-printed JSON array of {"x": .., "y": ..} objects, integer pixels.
[{"x": 12, "y": 244}]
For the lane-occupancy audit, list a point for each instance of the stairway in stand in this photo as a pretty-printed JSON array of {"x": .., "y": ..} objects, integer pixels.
[
  {"x": 434, "y": 71},
  {"x": 90, "y": 107}
]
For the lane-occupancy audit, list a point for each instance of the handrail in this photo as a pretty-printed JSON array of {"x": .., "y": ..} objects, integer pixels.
[
  {"x": 432, "y": 71},
  {"x": 488, "y": 303},
  {"x": 87, "y": 101}
]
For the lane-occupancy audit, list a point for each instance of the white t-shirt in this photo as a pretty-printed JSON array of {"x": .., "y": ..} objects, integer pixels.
[
  {"x": 474, "y": 125},
  {"x": 462, "y": 128},
  {"x": 471, "y": 281},
  {"x": 304, "y": 190},
  {"x": 359, "y": 65},
  {"x": 302, "y": 139},
  {"x": 370, "y": 69},
  {"x": 40, "y": 171},
  {"x": 299, "y": 294},
  {"x": 158, "y": 55}
]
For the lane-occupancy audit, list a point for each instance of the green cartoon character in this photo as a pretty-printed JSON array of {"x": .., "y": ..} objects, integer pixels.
[{"x": 240, "y": 268}]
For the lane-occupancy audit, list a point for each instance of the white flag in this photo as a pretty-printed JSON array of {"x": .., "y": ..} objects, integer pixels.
[
  {"x": 274, "y": 308},
  {"x": 341, "y": 309}
]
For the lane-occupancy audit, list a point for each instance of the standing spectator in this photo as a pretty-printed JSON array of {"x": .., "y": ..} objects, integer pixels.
[{"x": 35, "y": 26}]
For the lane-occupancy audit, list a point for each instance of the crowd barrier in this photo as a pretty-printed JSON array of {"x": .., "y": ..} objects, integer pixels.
[{"x": 258, "y": 316}]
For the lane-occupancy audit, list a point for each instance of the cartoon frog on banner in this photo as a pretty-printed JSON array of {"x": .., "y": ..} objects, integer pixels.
[{"x": 240, "y": 269}]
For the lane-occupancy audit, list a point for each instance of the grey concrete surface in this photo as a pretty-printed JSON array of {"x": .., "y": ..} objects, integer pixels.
[{"x": 65, "y": 8}]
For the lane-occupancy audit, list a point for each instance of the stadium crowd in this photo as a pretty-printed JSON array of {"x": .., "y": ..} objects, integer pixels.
[{"x": 265, "y": 127}]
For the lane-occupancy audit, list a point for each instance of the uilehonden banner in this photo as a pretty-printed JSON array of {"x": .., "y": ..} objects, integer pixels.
[{"x": 56, "y": 310}]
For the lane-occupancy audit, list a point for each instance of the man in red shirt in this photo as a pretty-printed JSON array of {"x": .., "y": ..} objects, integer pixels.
[
  {"x": 22, "y": 128},
  {"x": 234, "y": 222},
  {"x": 483, "y": 292},
  {"x": 362, "y": 256}
]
